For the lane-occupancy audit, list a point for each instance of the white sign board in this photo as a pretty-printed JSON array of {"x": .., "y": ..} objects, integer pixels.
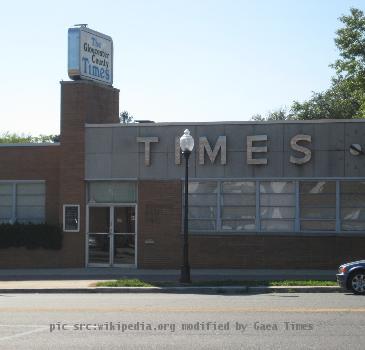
[{"x": 90, "y": 55}]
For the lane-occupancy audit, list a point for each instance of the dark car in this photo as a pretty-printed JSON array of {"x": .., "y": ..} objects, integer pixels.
[{"x": 351, "y": 276}]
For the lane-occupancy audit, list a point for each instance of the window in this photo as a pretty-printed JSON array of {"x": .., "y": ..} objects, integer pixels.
[
  {"x": 203, "y": 206},
  {"x": 318, "y": 206},
  {"x": 71, "y": 218},
  {"x": 30, "y": 202},
  {"x": 112, "y": 192},
  {"x": 6, "y": 203},
  {"x": 277, "y": 206},
  {"x": 22, "y": 202},
  {"x": 238, "y": 206},
  {"x": 352, "y": 205}
]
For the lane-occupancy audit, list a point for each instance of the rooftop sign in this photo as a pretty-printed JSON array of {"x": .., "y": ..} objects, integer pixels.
[{"x": 90, "y": 55}]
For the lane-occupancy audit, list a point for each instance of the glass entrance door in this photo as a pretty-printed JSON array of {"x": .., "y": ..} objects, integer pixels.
[
  {"x": 124, "y": 237},
  {"x": 111, "y": 235}
]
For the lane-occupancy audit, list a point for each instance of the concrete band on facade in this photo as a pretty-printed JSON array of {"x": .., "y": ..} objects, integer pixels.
[{"x": 262, "y": 195}]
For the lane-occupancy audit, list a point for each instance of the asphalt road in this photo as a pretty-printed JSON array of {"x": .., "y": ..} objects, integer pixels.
[{"x": 182, "y": 321}]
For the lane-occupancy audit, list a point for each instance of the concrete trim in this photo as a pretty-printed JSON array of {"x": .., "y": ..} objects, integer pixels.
[
  {"x": 88, "y": 82},
  {"x": 245, "y": 122}
]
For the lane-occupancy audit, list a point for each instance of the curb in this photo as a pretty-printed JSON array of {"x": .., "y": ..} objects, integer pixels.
[{"x": 202, "y": 290}]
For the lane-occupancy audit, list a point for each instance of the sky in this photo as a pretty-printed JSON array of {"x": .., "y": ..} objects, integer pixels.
[{"x": 174, "y": 60}]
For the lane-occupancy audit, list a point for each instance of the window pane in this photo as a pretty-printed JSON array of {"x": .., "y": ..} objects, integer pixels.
[
  {"x": 352, "y": 205},
  {"x": 238, "y": 199},
  {"x": 318, "y": 225},
  {"x": 239, "y": 187},
  {"x": 203, "y": 199},
  {"x": 6, "y": 189},
  {"x": 30, "y": 214},
  {"x": 30, "y": 188},
  {"x": 203, "y": 187},
  {"x": 311, "y": 200},
  {"x": 99, "y": 219},
  {"x": 352, "y": 200},
  {"x": 30, "y": 200},
  {"x": 238, "y": 225},
  {"x": 124, "y": 220},
  {"x": 277, "y": 187},
  {"x": 277, "y": 199},
  {"x": 317, "y": 187},
  {"x": 318, "y": 202},
  {"x": 353, "y": 225},
  {"x": 202, "y": 212},
  {"x": 202, "y": 225},
  {"x": 318, "y": 213},
  {"x": 352, "y": 187},
  {"x": 99, "y": 249},
  {"x": 6, "y": 200},
  {"x": 238, "y": 212},
  {"x": 277, "y": 225},
  {"x": 277, "y": 213},
  {"x": 124, "y": 249},
  {"x": 112, "y": 192},
  {"x": 353, "y": 214},
  {"x": 6, "y": 213}
]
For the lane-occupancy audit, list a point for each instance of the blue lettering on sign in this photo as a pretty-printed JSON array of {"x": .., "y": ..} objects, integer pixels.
[
  {"x": 94, "y": 70},
  {"x": 95, "y": 42}
]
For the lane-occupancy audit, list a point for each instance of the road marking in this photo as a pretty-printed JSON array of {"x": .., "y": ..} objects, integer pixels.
[
  {"x": 181, "y": 309},
  {"x": 18, "y": 335}
]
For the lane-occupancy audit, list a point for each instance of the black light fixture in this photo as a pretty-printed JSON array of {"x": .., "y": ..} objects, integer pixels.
[{"x": 187, "y": 146}]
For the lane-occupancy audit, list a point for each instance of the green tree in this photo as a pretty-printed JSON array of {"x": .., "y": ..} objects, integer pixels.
[
  {"x": 278, "y": 114},
  {"x": 346, "y": 96},
  {"x": 126, "y": 118},
  {"x": 8, "y": 137}
]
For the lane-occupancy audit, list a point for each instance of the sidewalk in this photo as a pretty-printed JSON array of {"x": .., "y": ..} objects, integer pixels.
[{"x": 83, "y": 280}]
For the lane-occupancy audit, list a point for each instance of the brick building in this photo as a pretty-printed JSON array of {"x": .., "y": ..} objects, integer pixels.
[{"x": 261, "y": 195}]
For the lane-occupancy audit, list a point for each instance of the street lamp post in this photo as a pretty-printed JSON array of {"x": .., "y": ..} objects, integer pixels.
[{"x": 186, "y": 145}]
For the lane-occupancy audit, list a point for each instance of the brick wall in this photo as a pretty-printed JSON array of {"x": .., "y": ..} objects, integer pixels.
[
  {"x": 159, "y": 220},
  {"x": 33, "y": 163},
  {"x": 81, "y": 102},
  {"x": 62, "y": 167}
]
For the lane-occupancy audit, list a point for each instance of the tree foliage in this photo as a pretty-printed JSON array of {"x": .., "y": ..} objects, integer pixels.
[
  {"x": 278, "y": 114},
  {"x": 345, "y": 98},
  {"x": 126, "y": 118},
  {"x": 8, "y": 137}
]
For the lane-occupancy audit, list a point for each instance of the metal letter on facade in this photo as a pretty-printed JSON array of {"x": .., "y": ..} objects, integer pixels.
[
  {"x": 307, "y": 152},
  {"x": 251, "y": 149},
  {"x": 147, "y": 148},
  {"x": 219, "y": 145}
]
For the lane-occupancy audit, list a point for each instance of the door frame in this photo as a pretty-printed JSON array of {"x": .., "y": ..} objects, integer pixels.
[{"x": 111, "y": 234}]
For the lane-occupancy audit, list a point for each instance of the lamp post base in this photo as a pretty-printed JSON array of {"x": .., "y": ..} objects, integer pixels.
[{"x": 185, "y": 274}]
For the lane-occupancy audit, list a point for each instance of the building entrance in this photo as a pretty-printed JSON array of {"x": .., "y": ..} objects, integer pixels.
[{"x": 111, "y": 235}]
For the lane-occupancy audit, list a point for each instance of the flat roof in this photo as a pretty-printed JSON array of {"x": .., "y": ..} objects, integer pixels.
[{"x": 247, "y": 122}]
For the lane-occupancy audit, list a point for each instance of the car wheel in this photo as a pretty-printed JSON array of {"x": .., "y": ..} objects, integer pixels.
[{"x": 356, "y": 282}]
